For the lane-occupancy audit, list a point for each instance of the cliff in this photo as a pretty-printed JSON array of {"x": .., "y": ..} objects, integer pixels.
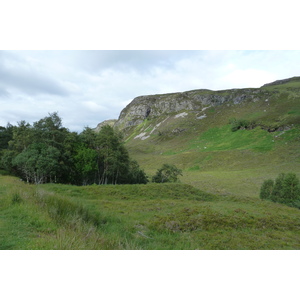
[{"x": 197, "y": 100}]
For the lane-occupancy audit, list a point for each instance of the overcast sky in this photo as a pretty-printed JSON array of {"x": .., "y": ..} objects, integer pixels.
[{"x": 88, "y": 87}]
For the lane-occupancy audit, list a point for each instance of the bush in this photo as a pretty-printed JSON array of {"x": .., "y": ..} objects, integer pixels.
[
  {"x": 241, "y": 124},
  {"x": 286, "y": 189},
  {"x": 266, "y": 189},
  {"x": 167, "y": 173}
]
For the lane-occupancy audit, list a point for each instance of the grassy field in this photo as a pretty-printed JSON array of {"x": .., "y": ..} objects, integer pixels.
[{"x": 152, "y": 216}]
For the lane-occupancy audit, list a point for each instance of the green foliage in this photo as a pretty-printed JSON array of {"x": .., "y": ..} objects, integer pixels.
[
  {"x": 266, "y": 189},
  {"x": 6, "y": 134},
  {"x": 39, "y": 163},
  {"x": 241, "y": 124},
  {"x": 136, "y": 174},
  {"x": 167, "y": 173},
  {"x": 286, "y": 189},
  {"x": 86, "y": 164},
  {"x": 47, "y": 152}
]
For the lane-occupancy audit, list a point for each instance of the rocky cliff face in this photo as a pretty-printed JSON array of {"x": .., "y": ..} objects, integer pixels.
[
  {"x": 107, "y": 122},
  {"x": 155, "y": 105}
]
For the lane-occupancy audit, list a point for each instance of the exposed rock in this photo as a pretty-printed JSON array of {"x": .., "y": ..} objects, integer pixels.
[
  {"x": 152, "y": 106},
  {"x": 107, "y": 122},
  {"x": 142, "y": 136},
  {"x": 182, "y": 115},
  {"x": 282, "y": 81}
]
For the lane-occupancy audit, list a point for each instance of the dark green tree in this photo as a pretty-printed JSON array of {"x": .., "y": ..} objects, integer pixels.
[
  {"x": 113, "y": 157},
  {"x": 38, "y": 163},
  {"x": 6, "y": 134},
  {"x": 266, "y": 189},
  {"x": 22, "y": 136},
  {"x": 135, "y": 174},
  {"x": 167, "y": 173},
  {"x": 86, "y": 165},
  {"x": 48, "y": 152},
  {"x": 286, "y": 189}
]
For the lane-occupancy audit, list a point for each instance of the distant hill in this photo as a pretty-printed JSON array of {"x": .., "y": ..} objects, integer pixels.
[{"x": 193, "y": 130}]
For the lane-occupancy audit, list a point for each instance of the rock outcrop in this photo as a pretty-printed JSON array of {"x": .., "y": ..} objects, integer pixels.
[
  {"x": 197, "y": 100},
  {"x": 107, "y": 122},
  {"x": 282, "y": 81}
]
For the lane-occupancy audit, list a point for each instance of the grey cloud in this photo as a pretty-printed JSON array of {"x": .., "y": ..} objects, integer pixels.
[
  {"x": 129, "y": 59},
  {"x": 4, "y": 92},
  {"x": 14, "y": 75}
]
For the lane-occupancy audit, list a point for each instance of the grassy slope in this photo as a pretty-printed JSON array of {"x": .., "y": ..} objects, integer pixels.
[
  {"x": 218, "y": 160},
  {"x": 153, "y": 216}
]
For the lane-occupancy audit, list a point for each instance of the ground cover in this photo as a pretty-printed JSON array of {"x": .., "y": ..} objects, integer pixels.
[{"x": 152, "y": 216}]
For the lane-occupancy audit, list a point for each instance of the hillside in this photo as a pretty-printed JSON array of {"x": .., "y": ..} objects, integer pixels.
[{"x": 193, "y": 130}]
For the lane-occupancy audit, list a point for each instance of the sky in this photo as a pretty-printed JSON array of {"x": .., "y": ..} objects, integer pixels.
[{"x": 87, "y": 87}]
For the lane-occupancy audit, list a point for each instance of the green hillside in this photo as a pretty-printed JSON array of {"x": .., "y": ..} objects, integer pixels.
[{"x": 213, "y": 157}]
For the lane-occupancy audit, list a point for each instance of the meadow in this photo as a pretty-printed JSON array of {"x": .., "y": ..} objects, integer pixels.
[{"x": 140, "y": 217}]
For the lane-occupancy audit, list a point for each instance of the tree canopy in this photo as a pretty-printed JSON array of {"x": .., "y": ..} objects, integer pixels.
[
  {"x": 48, "y": 152},
  {"x": 167, "y": 173}
]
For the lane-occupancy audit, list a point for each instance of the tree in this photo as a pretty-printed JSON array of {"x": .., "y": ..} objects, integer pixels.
[
  {"x": 6, "y": 134},
  {"x": 38, "y": 163},
  {"x": 291, "y": 188},
  {"x": 113, "y": 157},
  {"x": 48, "y": 152},
  {"x": 266, "y": 189},
  {"x": 22, "y": 136},
  {"x": 167, "y": 173},
  {"x": 135, "y": 174},
  {"x": 86, "y": 165},
  {"x": 277, "y": 194},
  {"x": 286, "y": 189},
  {"x": 50, "y": 131}
]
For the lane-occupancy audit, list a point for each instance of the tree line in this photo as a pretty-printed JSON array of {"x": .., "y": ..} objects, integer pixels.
[{"x": 47, "y": 152}]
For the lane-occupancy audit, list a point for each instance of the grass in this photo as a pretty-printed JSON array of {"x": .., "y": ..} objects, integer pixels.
[
  {"x": 152, "y": 216},
  {"x": 43, "y": 220},
  {"x": 215, "y": 207},
  {"x": 217, "y": 160}
]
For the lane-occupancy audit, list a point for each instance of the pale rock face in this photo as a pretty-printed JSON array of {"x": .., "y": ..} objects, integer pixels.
[
  {"x": 107, "y": 122},
  {"x": 143, "y": 107},
  {"x": 181, "y": 115}
]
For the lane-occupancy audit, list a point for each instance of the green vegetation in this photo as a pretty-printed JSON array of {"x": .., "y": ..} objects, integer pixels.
[
  {"x": 167, "y": 173},
  {"x": 286, "y": 189},
  {"x": 225, "y": 168},
  {"x": 241, "y": 124},
  {"x": 218, "y": 160},
  {"x": 48, "y": 152},
  {"x": 152, "y": 216}
]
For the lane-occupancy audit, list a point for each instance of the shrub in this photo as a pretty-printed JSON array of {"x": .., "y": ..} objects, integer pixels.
[
  {"x": 266, "y": 189},
  {"x": 286, "y": 189},
  {"x": 241, "y": 124},
  {"x": 167, "y": 173}
]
